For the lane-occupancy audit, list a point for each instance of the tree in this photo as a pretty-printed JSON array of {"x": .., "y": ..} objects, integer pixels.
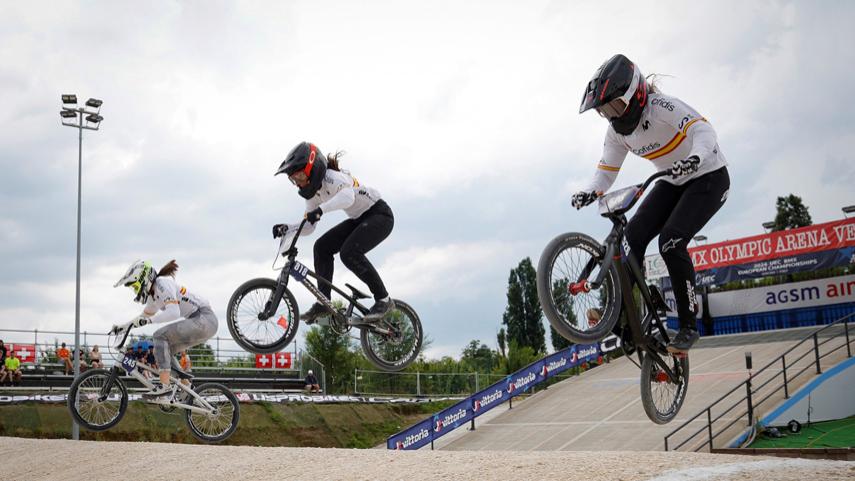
[
  {"x": 565, "y": 304},
  {"x": 477, "y": 357},
  {"x": 202, "y": 355},
  {"x": 335, "y": 351},
  {"x": 791, "y": 213},
  {"x": 523, "y": 315},
  {"x": 501, "y": 339},
  {"x": 518, "y": 358}
]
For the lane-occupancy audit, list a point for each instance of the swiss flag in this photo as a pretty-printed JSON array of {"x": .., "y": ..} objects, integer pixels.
[
  {"x": 283, "y": 360},
  {"x": 264, "y": 361},
  {"x": 25, "y": 352}
]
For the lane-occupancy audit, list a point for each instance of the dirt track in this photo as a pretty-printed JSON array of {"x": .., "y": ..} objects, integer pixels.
[{"x": 50, "y": 459}]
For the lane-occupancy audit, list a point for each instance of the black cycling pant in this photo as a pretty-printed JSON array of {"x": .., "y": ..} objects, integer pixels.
[
  {"x": 352, "y": 239},
  {"x": 677, "y": 213}
]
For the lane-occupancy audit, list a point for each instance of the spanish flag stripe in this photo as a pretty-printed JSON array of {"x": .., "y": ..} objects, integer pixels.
[
  {"x": 183, "y": 290},
  {"x": 609, "y": 168},
  {"x": 686, "y": 128},
  {"x": 668, "y": 148}
]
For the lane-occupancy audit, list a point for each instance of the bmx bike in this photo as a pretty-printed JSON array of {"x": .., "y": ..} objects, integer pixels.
[
  {"x": 577, "y": 275},
  {"x": 98, "y": 398},
  {"x": 263, "y": 316}
]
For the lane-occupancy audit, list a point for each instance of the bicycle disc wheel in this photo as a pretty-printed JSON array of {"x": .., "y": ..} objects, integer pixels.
[
  {"x": 395, "y": 351},
  {"x": 90, "y": 408},
  {"x": 574, "y": 316},
  {"x": 221, "y": 422},
  {"x": 661, "y": 397},
  {"x": 257, "y": 335}
]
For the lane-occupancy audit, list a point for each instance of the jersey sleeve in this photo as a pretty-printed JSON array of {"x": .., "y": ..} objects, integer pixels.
[
  {"x": 614, "y": 153},
  {"x": 166, "y": 294},
  {"x": 690, "y": 124},
  {"x": 344, "y": 196}
]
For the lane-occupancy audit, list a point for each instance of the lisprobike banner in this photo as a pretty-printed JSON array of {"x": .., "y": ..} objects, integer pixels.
[
  {"x": 243, "y": 397},
  {"x": 461, "y": 413}
]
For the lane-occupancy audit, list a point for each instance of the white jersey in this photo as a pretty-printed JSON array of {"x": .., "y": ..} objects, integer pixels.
[
  {"x": 340, "y": 190},
  {"x": 668, "y": 130},
  {"x": 171, "y": 302}
]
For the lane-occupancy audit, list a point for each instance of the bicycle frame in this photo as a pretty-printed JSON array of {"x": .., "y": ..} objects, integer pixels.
[
  {"x": 616, "y": 248},
  {"x": 301, "y": 273}
]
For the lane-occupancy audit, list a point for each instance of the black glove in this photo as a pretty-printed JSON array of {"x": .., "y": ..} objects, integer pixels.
[
  {"x": 279, "y": 230},
  {"x": 581, "y": 199},
  {"x": 314, "y": 215},
  {"x": 683, "y": 168}
]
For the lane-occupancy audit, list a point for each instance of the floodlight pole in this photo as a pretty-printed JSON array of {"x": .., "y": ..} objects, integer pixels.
[{"x": 75, "y": 428}]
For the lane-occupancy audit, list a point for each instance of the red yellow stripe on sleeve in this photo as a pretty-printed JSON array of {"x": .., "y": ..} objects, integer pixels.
[
  {"x": 673, "y": 143},
  {"x": 183, "y": 290},
  {"x": 608, "y": 168}
]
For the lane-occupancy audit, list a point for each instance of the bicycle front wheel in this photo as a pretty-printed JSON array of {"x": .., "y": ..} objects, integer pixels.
[
  {"x": 221, "y": 421},
  {"x": 94, "y": 407},
  {"x": 584, "y": 317},
  {"x": 661, "y": 396},
  {"x": 261, "y": 336},
  {"x": 398, "y": 348}
]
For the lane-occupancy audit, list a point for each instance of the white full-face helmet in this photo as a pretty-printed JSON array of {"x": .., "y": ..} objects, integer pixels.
[{"x": 139, "y": 277}]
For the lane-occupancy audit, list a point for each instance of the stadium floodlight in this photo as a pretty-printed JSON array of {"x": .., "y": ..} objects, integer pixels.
[
  {"x": 699, "y": 238},
  {"x": 849, "y": 209},
  {"x": 769, "y": 225},
  {"x": 69, "y": 112}
]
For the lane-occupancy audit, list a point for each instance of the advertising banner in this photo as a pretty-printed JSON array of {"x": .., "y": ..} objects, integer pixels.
[
  {"x": 413, "y": 437},
  {"x": 821, "y": 292},
  {"x": 449, "y": 419},
  {"x": 811, "y": 261},
  {"x": 244, "y": 397}
]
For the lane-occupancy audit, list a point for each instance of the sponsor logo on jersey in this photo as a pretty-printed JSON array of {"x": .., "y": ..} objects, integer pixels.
[
  {"x": 665, "y": 104},
  {"x": 646, "y": 149},
  {"x": 412, "y": 439},
  {"x": 645, "y": 125}
]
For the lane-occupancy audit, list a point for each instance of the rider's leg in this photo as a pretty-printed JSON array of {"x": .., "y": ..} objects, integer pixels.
[
  {"x": 175, "y": 337},
  {"x": 650, "y": 217},
  {"x": 700, "y": 200},
  {"x": 374, "y": 226},
  {"x": 326, "y": 247}
]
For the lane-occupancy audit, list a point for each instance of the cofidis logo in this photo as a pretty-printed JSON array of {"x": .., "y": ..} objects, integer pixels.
[
  {"x": 487, "y": 400},
  {"x": 412, "y": 439},
  {"x": 448, "y": 419}
]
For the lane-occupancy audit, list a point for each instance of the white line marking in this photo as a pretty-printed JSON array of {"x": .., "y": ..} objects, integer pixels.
[{"x": 598, "y": 424}]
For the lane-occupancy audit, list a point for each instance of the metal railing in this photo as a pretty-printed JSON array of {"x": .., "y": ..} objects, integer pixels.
[{"x": 761, "y": 387}]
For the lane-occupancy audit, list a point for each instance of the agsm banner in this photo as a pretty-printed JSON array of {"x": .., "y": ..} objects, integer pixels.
[{"x": 461, "y": 413}]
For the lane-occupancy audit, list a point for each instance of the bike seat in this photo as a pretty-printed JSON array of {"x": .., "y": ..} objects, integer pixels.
[
  {"x": 181, "y": 374},
  {"x": 357, "y": 294}
]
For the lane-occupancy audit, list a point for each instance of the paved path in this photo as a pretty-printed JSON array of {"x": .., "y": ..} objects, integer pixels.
[{"x": 601, "y": 410}]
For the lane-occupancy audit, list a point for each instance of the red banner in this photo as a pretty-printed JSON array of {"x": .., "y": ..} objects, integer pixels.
[
  {"x": 815, "y": 238},
  {"x": 25, "y": 352},
  {"x": 278, "y": 360}
]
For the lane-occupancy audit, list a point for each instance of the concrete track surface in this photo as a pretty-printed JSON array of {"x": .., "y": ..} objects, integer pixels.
[
  {"x": 601, "y": 410},
  {"x": 52, "y": 459}
]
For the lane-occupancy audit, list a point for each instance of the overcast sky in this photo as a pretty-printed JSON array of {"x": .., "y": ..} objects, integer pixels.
[{"x": 463, "y": 115}]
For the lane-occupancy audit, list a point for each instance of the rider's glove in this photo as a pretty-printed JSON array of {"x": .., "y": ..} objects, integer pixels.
[
  {"x": 682, "y": 168},
  {"x": 138, "y": 322},
  {"x": 314, "y": 215},
  {"x": 581, "y": 199},
  {"x": 279, "y": 230}
]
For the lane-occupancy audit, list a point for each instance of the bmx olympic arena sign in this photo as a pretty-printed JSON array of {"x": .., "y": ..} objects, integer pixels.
[{"x": 244, "y": 397}]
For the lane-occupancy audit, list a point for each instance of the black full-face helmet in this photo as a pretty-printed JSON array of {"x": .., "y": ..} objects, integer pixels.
[
  {"x": 618, "y": 92},
  {"x": 305, "y": 166}
]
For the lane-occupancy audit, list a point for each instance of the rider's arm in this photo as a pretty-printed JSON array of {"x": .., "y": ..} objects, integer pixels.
[
  {"x": 166, "y": 295},
  {"x": 694, "y": 126},
  {"x": 342, "y": 200},
  {"x": 614, "y": 153}
]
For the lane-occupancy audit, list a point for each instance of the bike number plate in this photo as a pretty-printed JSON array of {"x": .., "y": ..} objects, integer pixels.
[
  {"x": 299, "y": 271},
  {"x": 129, "y": 363}
]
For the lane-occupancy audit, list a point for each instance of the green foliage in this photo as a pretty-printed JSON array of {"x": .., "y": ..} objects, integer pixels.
[
  {"x": 202, "y": 355},
  {"x": 523, "y": 315},
  {"x": 501, "y": 339},
  {"x": 337, "y": 353},
  {"x": 477, "y": 357},
  {"x": 518, "y": 358},
  {"x": 565, "y": 303},
  {"x": 791, "y": 213}
]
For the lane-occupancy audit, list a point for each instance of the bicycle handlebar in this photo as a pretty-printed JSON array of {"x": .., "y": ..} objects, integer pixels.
[{"x": 655, "y": 176}]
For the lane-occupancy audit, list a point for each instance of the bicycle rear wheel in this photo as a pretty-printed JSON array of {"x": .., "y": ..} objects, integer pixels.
[
  {"x": 251, "y": 332},
  {"x": 563, "y": 263},
  {"x": 93, "y": 407},
  {"x": 661, "y": 397},
  {"x": 219, "y": 424},
  {"x": 397, "y": 350}
]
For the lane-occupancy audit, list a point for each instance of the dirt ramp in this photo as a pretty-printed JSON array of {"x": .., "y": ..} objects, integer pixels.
[{"x": 50, "y": 459}]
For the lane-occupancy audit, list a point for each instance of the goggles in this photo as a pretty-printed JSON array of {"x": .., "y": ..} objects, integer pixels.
[
  {"x": 613, "y": 109},
  {"x": 135, "y": 285},
  {"x": 299, "y": 178}
]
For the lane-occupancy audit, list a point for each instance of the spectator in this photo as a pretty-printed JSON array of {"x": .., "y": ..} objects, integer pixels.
[
  {"x": 3, "y": 373},
  {"x": 149, "y": 358},
  {"x": 594, "y": 315},
  {"x": 82, "y": 359},
  {"x": 312, "y": 382},
  {"x": 95, "y": 358},
  {"x": 64, "y": 357},
  {"x": 139, "y": 355},
  {"x": 13, "y": 369},
  {"x": 3, "y": 351},
  {"x": 185, "y": 363}
]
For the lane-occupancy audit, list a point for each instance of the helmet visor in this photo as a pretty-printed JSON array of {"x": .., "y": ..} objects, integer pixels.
[
  {"x": 613, "y": 109},
  {"x": 299, "y": 178}
]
